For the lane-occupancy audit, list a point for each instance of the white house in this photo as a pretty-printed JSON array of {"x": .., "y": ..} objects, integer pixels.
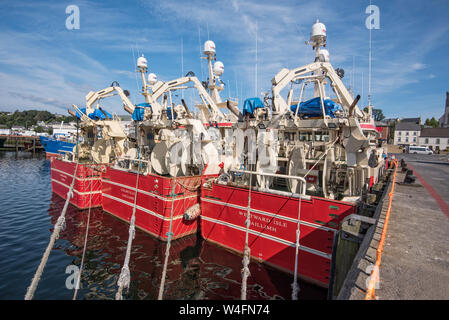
[
  {"x": 435, "y": 137},
  {"x": 64, "y": 129},
  {"x": 407, "y": 133}
]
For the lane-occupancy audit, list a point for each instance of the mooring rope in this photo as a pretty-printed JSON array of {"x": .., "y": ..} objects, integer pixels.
[
  {"x": 125, "y": 276},
  {"x": 55, "y": 235},
  {"x": 167, "y": 249},
  {"x": 247, "y": 251},
  {"x": 295, "y": 286},
  {"x": 85, "y": 243}
]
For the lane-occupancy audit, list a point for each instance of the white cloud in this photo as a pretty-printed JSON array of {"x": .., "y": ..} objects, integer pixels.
[{"x": 418, "y": 66}]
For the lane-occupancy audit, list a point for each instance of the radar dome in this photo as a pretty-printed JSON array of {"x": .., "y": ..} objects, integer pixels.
[
  {"x": 324, "y": 55},
  {"x": 318, "y": 33},
  {"x": 141, "y": 62},
  {"x": 209, "y": 47},
  {"x": 218, "y": 68},
  {"x": 152, "y": 79}
]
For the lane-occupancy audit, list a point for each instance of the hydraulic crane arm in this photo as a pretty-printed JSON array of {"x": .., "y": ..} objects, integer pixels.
[
  {"x": 160, "y": 89},
  {"x": 93, "y": 97},
  {"x": 285, "y": 76}
]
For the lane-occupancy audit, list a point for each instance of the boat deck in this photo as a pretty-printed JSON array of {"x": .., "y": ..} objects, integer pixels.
[{"x": 415, "y": 261}]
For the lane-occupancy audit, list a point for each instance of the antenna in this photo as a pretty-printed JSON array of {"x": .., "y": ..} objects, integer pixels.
[
  {"x": 135, "y": 74},
  {"x": 353, "y": 74},
  {"x": 369, "y": 67},
  {"x": 362, "y": 89},
  {"x": 182, "y": 65},
  {"x": 255, "y": 86},
  {"x": 199, "y": 43}
]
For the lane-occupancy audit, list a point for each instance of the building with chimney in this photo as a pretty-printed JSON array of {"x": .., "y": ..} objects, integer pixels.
[
  {"x": 407, "y": 132},
  {"x": 435, "y": 138}
]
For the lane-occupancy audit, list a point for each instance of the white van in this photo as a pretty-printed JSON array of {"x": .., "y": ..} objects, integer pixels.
[{"x": 419, "y": 150}]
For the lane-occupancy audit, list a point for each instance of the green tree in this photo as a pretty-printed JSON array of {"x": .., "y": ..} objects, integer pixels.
[
  {"x": 432, "y": 123},
  {"x": 378, "y": 114},
  {"x": 30, "y": 118}
]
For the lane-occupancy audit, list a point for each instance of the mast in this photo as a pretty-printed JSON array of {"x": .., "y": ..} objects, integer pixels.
[
  {"x": 369, "y": 65},
  {"x": 255, "y": 86},
  {"x": 182, "y": 65}
]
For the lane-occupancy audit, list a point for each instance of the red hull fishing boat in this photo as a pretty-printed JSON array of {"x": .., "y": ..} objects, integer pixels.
[
  {"x": 86, "y": 182},
  {"x": 155, "y": 203},
  {"x": 316, "y": 159},
  {"x": 272, "y": 233}
]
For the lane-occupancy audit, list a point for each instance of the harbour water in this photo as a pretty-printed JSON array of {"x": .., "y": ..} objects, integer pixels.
[{"x": 196, "y": 269}]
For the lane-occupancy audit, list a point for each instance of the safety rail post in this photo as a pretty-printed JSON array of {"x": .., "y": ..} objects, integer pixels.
[{"x": 370, "y": 291}]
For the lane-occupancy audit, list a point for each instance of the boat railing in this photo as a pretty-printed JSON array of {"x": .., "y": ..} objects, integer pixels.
[
  {"x": 275, "y": 175},
  {"x": 69, "y": 155},
  {"x": 145, "y": 170}
]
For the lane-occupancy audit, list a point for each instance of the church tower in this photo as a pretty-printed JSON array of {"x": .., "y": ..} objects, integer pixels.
[{"x": 444, "y": 120}]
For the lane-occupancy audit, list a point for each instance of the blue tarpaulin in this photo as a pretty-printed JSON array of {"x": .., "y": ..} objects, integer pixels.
[
  {"x": 251, "y": 105},
  {"x": 139, "y": 111},
  {"x": 99, "y": 115},
  {"x": 169, "y": 113},
  {"x": 312, "y": 108},
  {"x": 96, "y": 115},
  {"x": 78, "y": 115}
]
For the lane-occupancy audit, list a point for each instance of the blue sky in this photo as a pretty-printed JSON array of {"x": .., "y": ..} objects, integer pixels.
[{"x": 45, "y": 66}]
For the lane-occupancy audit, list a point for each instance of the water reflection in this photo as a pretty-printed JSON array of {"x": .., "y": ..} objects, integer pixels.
[{"x": 196, "y": 269}]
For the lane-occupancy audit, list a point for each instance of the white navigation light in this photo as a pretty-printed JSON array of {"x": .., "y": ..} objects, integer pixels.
[
  {"x": 209, "y": 47},
  {"x": 142, "y": 62},
  {"x": 324, "y": 55},
  {"x": 218, "y": 68},
  {"x": 318, "y": 34},
  {"x": 152, "y": 79}
]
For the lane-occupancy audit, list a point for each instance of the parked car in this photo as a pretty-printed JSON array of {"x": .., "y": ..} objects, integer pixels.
[{"x": 419, "y": 150}]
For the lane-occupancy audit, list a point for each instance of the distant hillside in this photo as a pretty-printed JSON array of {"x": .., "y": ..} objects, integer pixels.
[{"x": 30, "y": 118}]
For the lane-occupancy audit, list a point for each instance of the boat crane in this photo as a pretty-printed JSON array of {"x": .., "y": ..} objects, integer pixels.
[
  {"x": 327, "y": 141},
  {"x": 166, "y": 130},
  {"x": 113, "y": 138}
]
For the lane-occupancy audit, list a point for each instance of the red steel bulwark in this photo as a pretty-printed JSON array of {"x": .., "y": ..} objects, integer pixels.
[
  {"x": 153, "y": 203},
  {"x": 87, "y": 186},
  {"x": 272, "y": 234}
]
